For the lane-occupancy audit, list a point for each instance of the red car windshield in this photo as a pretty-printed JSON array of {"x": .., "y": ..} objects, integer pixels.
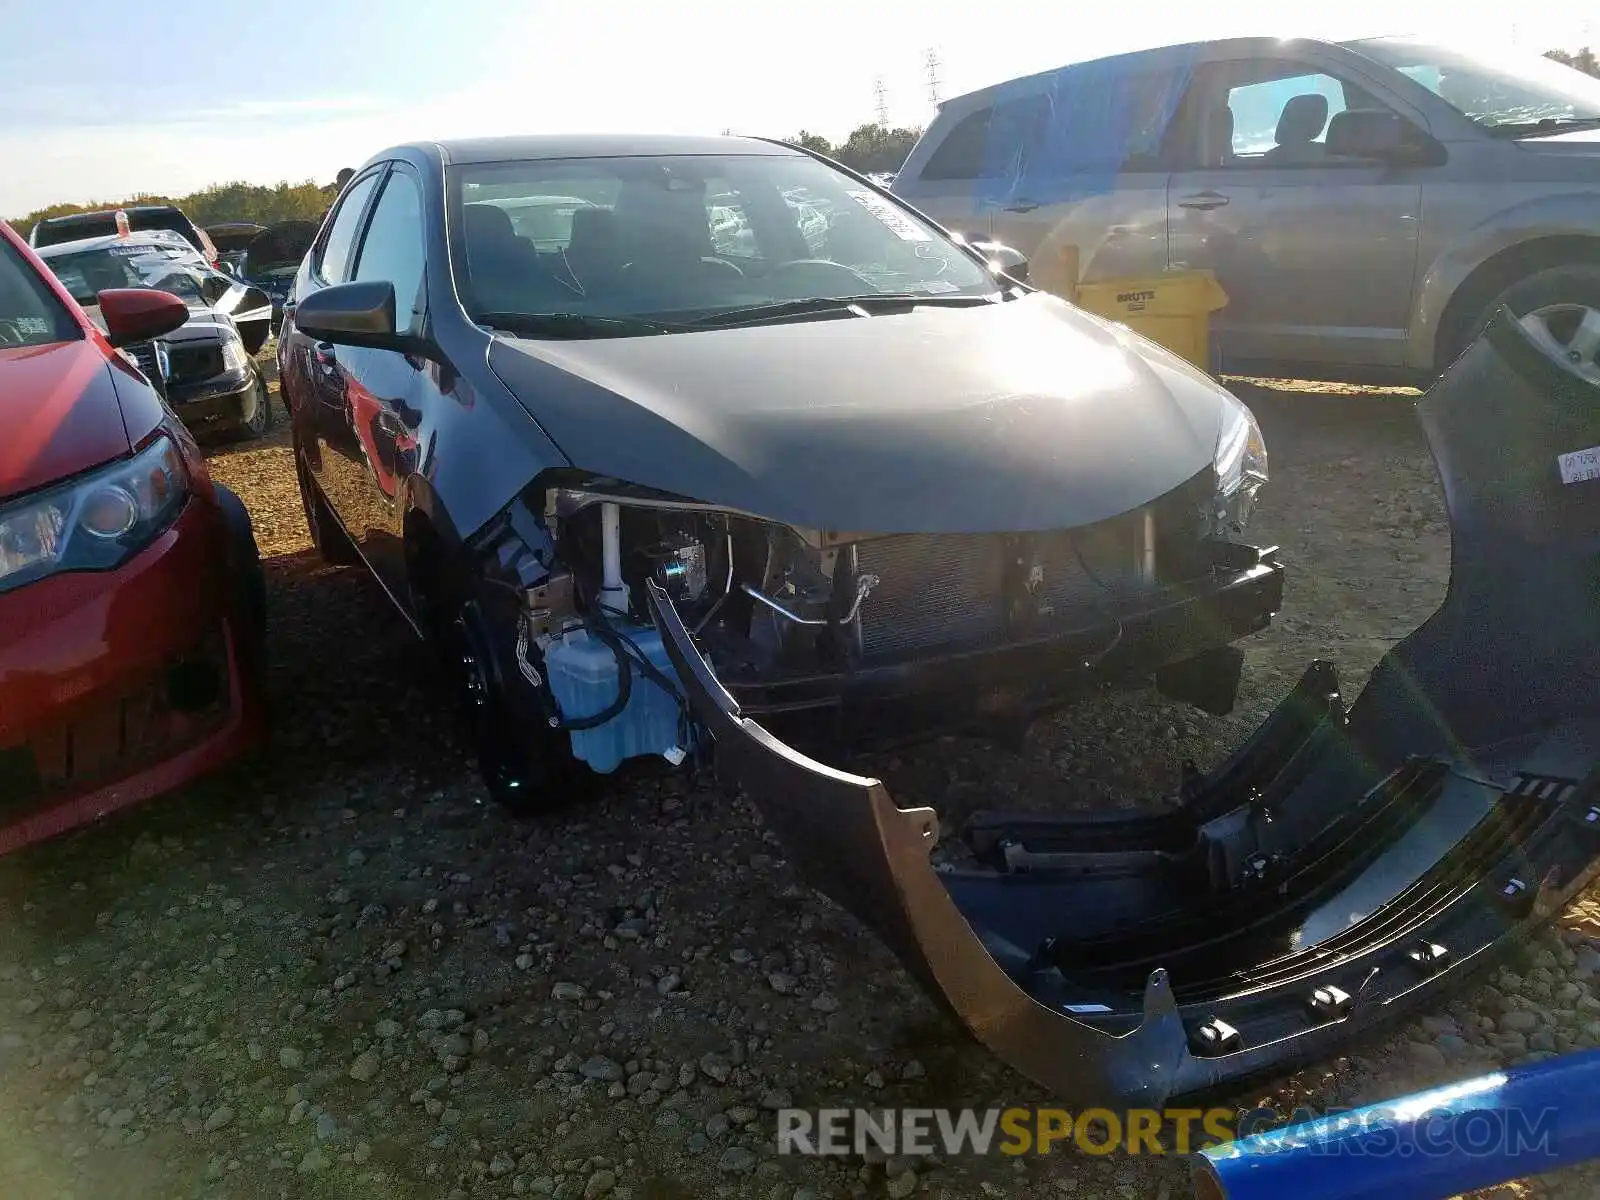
[{"x": 30, "y": 313}]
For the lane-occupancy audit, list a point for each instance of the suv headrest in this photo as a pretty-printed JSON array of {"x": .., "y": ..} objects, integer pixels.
[{"x": 1302, "y": 119}]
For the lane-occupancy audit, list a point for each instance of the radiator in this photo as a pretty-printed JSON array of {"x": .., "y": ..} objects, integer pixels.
[
  {"x": 934, "y": 590},
  {"x": 947, "y": 591}
]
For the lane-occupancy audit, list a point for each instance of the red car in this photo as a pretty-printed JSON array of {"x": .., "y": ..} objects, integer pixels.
[{"x": 132, "y": 606}]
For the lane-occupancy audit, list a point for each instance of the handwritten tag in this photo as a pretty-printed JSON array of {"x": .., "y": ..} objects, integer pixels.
[{"x": 1580, "y": 466}]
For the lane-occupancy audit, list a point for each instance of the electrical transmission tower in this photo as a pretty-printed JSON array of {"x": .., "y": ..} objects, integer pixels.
[
  {"x": 880, "y": 95},
  {"x": 931, "y": 61}
]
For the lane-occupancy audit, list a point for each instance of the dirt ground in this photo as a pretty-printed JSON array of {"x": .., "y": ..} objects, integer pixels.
[{"x": 336, "y": 972}]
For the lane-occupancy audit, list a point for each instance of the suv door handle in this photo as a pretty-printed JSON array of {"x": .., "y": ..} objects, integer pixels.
[
  {"x": 1204, "y": 201},
  {"x": 1021, "y": 206}
]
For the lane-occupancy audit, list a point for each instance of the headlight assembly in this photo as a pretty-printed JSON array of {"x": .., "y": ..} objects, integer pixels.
[
  {"x": 94, "y": 523},
  {"x": 234, "y": 358},
  {"x": 1240, "y": 463}
]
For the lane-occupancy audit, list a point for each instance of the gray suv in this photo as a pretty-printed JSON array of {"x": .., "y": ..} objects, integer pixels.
[{"x": 1364, "y": 204}]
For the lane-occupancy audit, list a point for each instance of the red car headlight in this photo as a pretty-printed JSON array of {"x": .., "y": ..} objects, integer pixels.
[{"x": 96, "y": 522}]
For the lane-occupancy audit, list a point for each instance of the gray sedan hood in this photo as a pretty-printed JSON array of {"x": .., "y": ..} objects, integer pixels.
[{"x": 1024, "y": 415}]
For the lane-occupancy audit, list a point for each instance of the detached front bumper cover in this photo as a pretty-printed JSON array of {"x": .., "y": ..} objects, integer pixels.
[{"x": 1337, "y": 871}]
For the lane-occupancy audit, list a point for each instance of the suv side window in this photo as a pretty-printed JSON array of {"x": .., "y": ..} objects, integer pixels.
[
  {"x": 1290, "y": 111},
  {"x": 1264, "y": 113},
  {"x": 1107, "y": 121},
  {"x": 993, "y": 142},
  {"x": 334, "y": 255},
  {"x": 960, "y": 155},
  {"x": 393, "y": 248}
]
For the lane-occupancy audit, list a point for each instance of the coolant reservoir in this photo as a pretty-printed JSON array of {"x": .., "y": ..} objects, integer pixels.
[{"x": 583, "y": 676}]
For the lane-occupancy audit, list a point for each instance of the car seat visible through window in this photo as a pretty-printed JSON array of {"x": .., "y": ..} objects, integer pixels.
[
  {"x": 1299, "y": 125},
  {"x": 505, "y": 272}
]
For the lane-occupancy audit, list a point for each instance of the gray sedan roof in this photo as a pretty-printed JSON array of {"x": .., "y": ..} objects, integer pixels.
[{"x": 595, "y": 145}]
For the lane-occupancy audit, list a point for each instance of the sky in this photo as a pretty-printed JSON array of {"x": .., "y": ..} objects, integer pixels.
[{"x": 97, "y": 101}]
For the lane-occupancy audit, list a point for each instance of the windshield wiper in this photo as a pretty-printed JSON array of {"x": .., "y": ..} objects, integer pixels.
[
  {"x": 571, "y": 325},
  {"x": 820, "y": 306},
  {"x": 1545, "y": 125}
]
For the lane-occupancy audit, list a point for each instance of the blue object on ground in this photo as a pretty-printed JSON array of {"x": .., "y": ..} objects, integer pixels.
[{"x": 1426, "y": 1146}]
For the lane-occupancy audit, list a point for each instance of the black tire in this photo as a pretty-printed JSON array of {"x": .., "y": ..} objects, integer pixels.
[
  {"x": 326, "y": 534},
  {"x": 527, "y": 767},
  {"x": 1575, "y": 285},
  {"x": 255, "y": 416}
]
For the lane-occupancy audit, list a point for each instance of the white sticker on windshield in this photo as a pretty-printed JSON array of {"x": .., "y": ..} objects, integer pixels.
[
  {"x": 940, "y": 285},
  {"x": 895, "y": 221},
  {"x": 1580, "y": 466}
]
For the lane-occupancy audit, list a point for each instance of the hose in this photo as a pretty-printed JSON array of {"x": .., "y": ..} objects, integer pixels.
[
  {"x": 624, "y": 687},
  {"x": 628, "y": 654},
  {"x": 1116, "y": 638}
]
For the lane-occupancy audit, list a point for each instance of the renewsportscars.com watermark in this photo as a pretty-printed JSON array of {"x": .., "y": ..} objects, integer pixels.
[{"x": 908, "y": 1132}]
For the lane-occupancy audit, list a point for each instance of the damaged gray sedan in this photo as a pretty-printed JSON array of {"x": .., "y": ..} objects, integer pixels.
[{"x": 837, "y": 477}]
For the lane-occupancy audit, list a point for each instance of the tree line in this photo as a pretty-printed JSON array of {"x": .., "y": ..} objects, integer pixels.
[
  {"x": 869, "y": 148},
  {"x": 265, "y": 204},
  {"x": 1583, "y": 60}
]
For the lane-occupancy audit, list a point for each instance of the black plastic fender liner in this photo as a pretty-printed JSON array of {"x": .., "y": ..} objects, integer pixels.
[{"x": 1333, "y": 874}]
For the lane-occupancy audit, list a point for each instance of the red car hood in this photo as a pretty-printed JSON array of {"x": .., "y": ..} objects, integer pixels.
[{"x": 59, "y": 414}]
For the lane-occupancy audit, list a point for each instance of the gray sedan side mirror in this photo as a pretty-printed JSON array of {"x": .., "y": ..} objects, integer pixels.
[
  {"x": 358, "y": 314},
  {"x": 1003, "y": 259}
]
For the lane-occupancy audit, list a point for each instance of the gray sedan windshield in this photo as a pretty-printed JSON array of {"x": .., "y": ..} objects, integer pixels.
[
  {"x": 689, "y": 236},
  {"x": 1503, "y": 92}
]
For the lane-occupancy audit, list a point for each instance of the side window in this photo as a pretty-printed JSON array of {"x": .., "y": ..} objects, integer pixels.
[
  {"x": 1016, "y": 131},
  {"x": 1263, "y": 113},
  {"x": 1105, "y": 120},
  {"x": 960, "y": 155},
  {"x": 992, "y": 143},
  {"x": 1284, "y": 115},
  {"x": 334, "y": 256},
  {"x": 393, "y": 248}
]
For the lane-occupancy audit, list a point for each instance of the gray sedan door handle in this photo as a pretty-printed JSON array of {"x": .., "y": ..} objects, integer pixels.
[{"x": 1204, "y": 201}]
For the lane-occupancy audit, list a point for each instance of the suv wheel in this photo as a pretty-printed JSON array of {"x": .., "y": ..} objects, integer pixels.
[
  {"x": 1560, "y": 307},
  {"x": 1570, "y": 332}
]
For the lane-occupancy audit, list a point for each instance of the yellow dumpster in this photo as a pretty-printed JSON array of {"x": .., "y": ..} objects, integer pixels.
[{"x": 1173, "y": 308}]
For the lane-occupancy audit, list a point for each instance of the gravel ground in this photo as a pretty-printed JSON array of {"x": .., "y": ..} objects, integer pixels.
[{"x": 337, "y": 973}]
